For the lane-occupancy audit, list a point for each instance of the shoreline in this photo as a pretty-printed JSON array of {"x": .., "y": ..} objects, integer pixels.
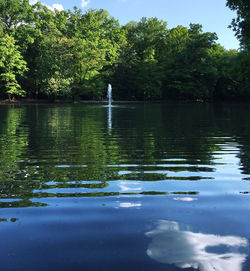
[{"x": 105, "y": 102}]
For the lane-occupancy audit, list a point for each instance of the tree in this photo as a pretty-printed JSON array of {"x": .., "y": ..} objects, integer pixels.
[
  {"x": 242, "y": 23},
  {"x": 17, "y": 20},
  {"x": 146, "y": 38},
  {"x": 189, "y": 68},
  {"x": 139, "y": 72},
  {"x": 13, "y": 13},
  {"x": 11, "y": 65},
  {"x": 98, "y": 39},
  {"x": 53, "y": 65},
  {"x": 225, "y": 61}
]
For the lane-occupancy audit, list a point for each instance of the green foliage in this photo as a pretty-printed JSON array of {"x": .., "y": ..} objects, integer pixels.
[
  {"x": 225, "y": 63},
  {"x": 54, "y": 60},
  {"x": 13, "y": 13},
  {"x": 12, "y": 65},
  {"x": 189, "y": 69},
  {"x": 139, "y": 73},
  {"x": 71, "y": 54},
  {"x": 241, "y": 24},
  {"x": 145, "y": 38},
  {"x": 97, "y": 42},
  {"x": 17, "y": 17}
]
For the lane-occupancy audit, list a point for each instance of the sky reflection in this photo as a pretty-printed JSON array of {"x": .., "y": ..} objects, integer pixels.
[{"x": 186, "y": 249}]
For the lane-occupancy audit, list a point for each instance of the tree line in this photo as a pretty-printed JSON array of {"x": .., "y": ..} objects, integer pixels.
[{"x": 51, "y": 54}]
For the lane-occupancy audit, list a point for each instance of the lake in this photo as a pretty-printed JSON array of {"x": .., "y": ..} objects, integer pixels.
[{"x": 132, "y": 187}]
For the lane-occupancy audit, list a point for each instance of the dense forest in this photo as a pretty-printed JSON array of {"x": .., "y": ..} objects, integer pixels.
[{"x": 73, "y": 55}]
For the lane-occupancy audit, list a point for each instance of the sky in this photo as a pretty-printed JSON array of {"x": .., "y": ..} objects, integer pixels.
[{"x": 213, "y": 15}]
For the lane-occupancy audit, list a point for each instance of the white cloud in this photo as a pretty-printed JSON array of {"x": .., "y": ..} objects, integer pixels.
[
  {"x": 54, "y": 7},
  {"x": 33, "y": 2},
  {"x": 85, "y": 3},
  {"x": 59, "y": 7}
]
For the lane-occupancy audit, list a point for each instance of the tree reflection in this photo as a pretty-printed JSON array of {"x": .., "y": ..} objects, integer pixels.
[{"x": 47, "y": 150}]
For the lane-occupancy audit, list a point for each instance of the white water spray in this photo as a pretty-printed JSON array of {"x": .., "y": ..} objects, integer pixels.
[{"x": 109, "y": 95}]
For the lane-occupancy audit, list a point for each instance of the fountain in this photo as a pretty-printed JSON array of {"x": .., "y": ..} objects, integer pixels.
[{"x": 109, "y": 95}]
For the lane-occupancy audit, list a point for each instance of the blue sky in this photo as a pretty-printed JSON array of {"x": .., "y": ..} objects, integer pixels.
[{"x": 212, "y": 14}]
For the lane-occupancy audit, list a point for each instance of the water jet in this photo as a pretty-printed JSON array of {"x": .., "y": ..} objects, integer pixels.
[{"x": 109, "y": 95}]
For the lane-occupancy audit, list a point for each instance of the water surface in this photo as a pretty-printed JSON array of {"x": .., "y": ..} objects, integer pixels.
[{"x": 132, "y": 187}]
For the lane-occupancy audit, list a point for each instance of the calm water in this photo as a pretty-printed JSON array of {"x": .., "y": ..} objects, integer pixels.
[{"x": 139, "y": 187}]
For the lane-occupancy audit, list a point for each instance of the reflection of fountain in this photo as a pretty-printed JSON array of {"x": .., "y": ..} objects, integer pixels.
[
  {"x": 186, "y": 249},
  {"x": 109, "y": 118},
  {"x": 109, "y": 94}
]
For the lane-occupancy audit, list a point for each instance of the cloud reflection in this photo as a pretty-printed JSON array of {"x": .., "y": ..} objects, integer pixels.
[
  {"x": 187, "y": 199},
  {"x": 129, "y": 205},
  {"x": 129, "y": 186},
  {"x": 186, "y": 249},
  {"x": 136, "y": 204}
]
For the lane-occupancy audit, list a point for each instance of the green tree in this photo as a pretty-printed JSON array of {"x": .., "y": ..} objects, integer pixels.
[
  {"x": 17, "y": 18},
  {"x": 13, "y": 13},
  {"x": 242, "y": 74},
  {"x": 146, "y": 38},
  {"x": 225, "y": 62},
  {"x": 11, "y": 65},
  {"x": 242, "y": 23},
  {"x": 34, "y": 34},
  {"x": 97, "y": 44},
  {"x": 189, "y": 69},
  {"x": 241, "y": 26},
  {"x": 139, "y": 73},
  {"x": 53, "y": 65}
]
